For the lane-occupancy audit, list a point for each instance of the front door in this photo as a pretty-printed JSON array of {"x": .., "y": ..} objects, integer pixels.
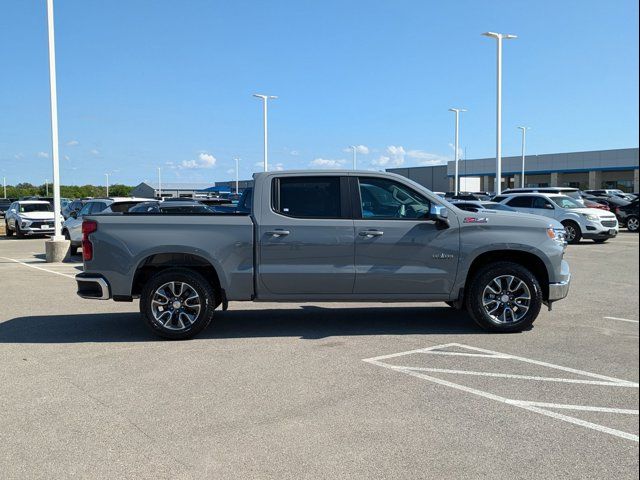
[
  {"x": 399, "y": 250},
  {"x": 306, "y": 238}
]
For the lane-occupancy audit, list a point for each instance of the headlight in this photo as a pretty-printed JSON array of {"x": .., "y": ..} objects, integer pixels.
[
  {"x": 25, "y": 223},
  {"x": 557, "y": 235},
  {"x": 591, "y": 218}
]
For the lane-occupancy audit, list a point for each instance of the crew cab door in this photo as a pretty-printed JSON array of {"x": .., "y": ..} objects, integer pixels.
[
  {"x": 399, "y": 250},
  {"x": 306, "y": 238}
]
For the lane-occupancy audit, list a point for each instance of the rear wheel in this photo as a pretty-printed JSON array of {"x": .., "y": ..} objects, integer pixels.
[
  {"x": 177, "y": 303},
  {"x": 19, "y": 233},
  {"x": 574, "y": 234},
  {"x": 7, "y": 231},
  {"x": 633, "y": 224},
  {"x": 504, "y": 297}
]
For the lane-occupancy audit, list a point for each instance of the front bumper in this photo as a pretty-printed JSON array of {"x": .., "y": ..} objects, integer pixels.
[
  {"x": 558, "y": 291},
  {"x": 93, "y": 287}
]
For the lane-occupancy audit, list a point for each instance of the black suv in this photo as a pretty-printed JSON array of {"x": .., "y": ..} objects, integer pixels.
[{"x": 628, "y": 215}]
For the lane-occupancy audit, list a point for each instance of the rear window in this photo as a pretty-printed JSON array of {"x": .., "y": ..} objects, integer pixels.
[
  {"x": 307, "y": 197},
  {"x": 122, "y": 206}
]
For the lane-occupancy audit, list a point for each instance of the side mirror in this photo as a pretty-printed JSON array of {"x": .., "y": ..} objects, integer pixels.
[
  {"x": 73, "y": 214},
  {"x": 439, "y": 213},
  {"x": 548, "y": 206}
]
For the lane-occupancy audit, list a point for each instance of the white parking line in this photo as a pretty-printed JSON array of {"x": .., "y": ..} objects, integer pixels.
[
  {"x": 622, "y": 319},
  {"x": 38, "y": 268},
  {"x": 537, "y": 407}
]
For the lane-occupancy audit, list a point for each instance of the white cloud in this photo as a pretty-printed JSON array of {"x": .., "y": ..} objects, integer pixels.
[
  {"x": 18, "y": 156},
  {"x": 395, "y": 156},
  {"x": 295, "y": 153},
  {"x": 278, "y": 167},
  {"x": 93, "y": 151},
  {"x": 72, "y": 143},
  {"x": 231, "y": 171},
  {"x": 43, "y": 155},
  {"x": 327, "y": 163},
  {"x": 360, "y": 149},
  {"x": 204, "y": 160}
]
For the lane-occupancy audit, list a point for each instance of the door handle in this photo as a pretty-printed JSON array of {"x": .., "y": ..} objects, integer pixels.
[
  {"x": 371, "y": 233},
  {"x": 278, "y": 233}
]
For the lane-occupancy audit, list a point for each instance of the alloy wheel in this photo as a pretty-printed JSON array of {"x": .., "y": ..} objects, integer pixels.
[
  {"x": 176, "y": 305},
  {"x": 506, "y": 299}
]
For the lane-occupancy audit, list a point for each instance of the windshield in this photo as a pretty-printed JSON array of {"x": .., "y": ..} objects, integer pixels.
[
  {"x": 566, "y": 202},
  {"x": 35, "y": 207}
]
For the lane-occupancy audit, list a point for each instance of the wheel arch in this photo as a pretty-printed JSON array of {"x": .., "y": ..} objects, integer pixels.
[
  {"x": 529, "y": 260},
  {"x": 158, "y": 262}
]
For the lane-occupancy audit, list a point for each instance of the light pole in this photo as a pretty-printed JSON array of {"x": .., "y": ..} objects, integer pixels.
[
  {"x": 237, "y": 174},
  {"x": 355, "y": 160},
  {"x": 524, "y": 144},
  {"x": 46, "y": 187},
  {"x": 107, "y": 175},
  {"x": 4, "y": 186},
  {"x": 159, "y": 184},
  {"x": 264, "y": 120},
  {"x": 499, "y": 37},
  {"x": 54, "y": 126},
  {"x": 457, "y": 176}
]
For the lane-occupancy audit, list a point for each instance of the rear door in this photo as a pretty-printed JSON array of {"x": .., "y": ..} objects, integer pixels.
[
  {"x": 399, "y": 250},
  {"x": 522, "y": 203},
  {"x": 306, "y": 238}
]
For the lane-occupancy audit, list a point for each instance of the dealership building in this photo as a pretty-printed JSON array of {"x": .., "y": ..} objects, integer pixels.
[{"x": 585, "y": 170}]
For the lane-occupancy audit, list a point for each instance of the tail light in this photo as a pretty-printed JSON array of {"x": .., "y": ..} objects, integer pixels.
[
  {"x": 617, "y": 210},
  {"x": 88, "y": 227}
]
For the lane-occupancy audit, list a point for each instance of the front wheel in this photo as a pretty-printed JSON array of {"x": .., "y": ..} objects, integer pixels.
[
  {"x": 177, "y": 303},
  {"x": 600, "y": 240},
  {"x": 574, "y": 234},
  {"x": 8, "y": 232},
  {"x": 504, "y": 297},
  {"x": 633, "y": 224}
]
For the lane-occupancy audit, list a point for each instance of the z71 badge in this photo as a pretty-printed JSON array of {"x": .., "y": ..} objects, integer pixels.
[{"x": 475, "y": 220}]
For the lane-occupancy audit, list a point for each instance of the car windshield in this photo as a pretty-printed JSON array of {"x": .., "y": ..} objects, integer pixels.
[
  {"x": 35, "y": 207},
  {"x": 566, "y": 202}
]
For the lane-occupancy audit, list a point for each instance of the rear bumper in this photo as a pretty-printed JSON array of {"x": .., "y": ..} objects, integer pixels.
[{"x": 93, "y": 287}]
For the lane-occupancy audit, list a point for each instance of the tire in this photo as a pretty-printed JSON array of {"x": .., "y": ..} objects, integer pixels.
[
  {"x": 7, "y": 232},
  {"x": 632, "y": 223},
  {"x": 574, "y": 234},
  {"x": 480, "y": 301},
  {"x": 19, "y": 233},
  {"x": 600, "y": 240},
  {"x": 184, "y": 319},
  {"x": 73, "y": 249}
]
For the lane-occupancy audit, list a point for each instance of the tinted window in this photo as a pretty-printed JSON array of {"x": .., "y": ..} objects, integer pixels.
[
  {"x": 35, "y": 207},
  {"x": 85, "y": 210},
  {"x": 521, "y": 202},
  {"x": 308, "y": 197},
  {"x": 540, "y": 202},
  {"x": 122, "y": 206},
  {"x": 382, "y": 198},
  {"x": 97, "y": 207}
]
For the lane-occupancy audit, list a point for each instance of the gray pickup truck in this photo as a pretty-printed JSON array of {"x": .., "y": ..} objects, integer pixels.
[{"x": 336, "y": 236}]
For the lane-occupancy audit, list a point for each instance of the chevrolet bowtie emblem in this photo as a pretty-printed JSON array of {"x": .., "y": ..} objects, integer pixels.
[{"x": 442, "y": 256}]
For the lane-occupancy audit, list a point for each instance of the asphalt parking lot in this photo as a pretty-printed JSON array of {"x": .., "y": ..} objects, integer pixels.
[{"x": 318, "y": 391}]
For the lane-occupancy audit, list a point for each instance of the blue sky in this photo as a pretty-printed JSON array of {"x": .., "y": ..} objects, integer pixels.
[{"x": 143, "y": 84}]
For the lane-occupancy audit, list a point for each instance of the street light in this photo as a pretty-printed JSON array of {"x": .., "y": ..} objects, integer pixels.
[
  {"x": 57, "y": 237},
  {"x": 524, "y": 143},
  {"x": 107, "y": 175},
  {"x": 237, "y": 174},
  {"x": 159, "y": 184},
  {"x": 457, "y": 156},
  {"x": 499, "y": 37},
  {"x": 355, "y": 161},
  {"x": 264, "y": 120}
]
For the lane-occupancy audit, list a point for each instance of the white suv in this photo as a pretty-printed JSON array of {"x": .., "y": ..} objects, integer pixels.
[
  {"x": 579, "y": 222},
  {"x": 29, "y": 217}
]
